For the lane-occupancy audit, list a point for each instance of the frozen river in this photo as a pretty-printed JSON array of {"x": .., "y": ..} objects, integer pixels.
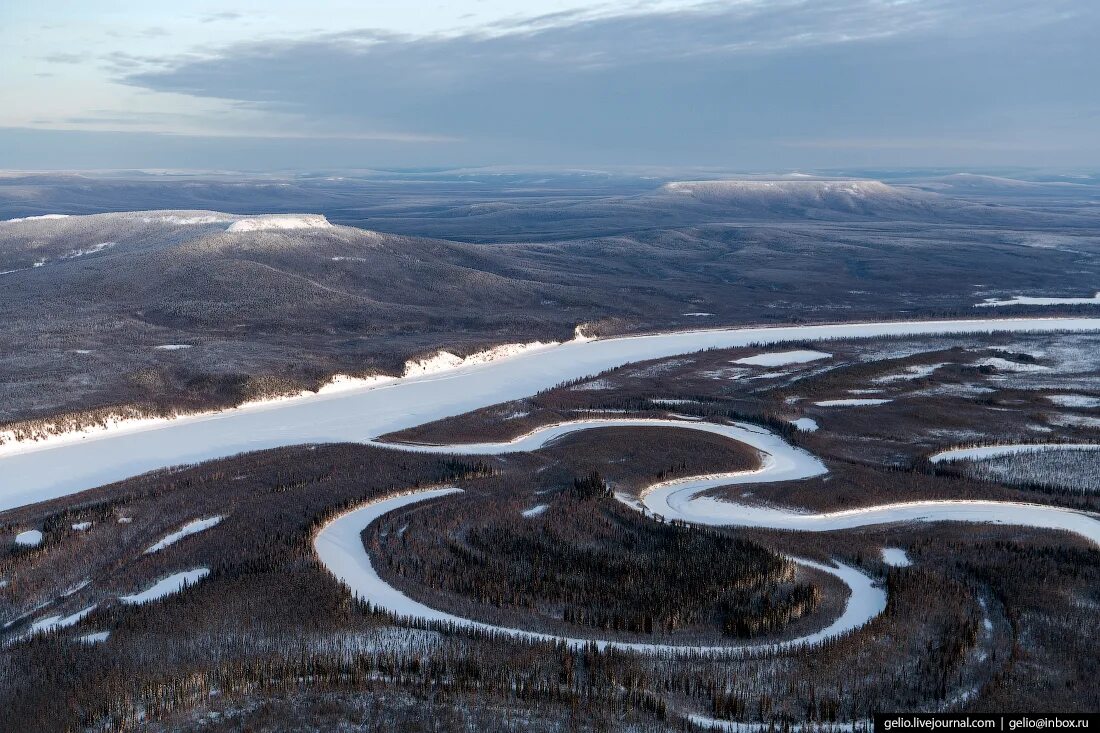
[{"x": 53, "y": 470}]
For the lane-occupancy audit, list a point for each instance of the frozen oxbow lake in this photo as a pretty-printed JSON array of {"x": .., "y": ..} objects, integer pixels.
[{"x": 359, "y": 415}]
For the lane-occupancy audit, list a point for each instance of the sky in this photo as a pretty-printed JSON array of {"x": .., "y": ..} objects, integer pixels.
[{"x": 742, "y": 84}]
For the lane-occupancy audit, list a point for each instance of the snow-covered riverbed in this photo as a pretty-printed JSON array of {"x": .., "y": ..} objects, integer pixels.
[
  {"x": 366, "y": 413},
  {"x": 340, "y": 547}
]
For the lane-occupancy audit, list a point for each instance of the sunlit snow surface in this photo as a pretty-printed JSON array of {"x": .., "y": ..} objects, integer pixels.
[
  {"x": 29, "y": 538},
  {"x": 805, "y": 424},
  {"x": 57, "y": 469},
  {"x": 167, "y": 586},
  {"x": 896, "y": 557},
  {"x": 1025, "y": 300},
  {"x": 279, "y": 221},
  {"x": 190, "y": 528},
  {"x": 978, "y": 452},
  {"x": 782, "y": 358},
  {"x": 50, "y": 623}
]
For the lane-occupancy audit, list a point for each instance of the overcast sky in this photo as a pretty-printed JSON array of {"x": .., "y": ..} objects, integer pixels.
[{"x": 747, "y": 84}]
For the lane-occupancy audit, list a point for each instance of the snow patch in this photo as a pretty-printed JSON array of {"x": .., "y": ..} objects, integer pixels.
[
  {"x": 172, "y": 347},
  {"x": 895, "y": 557},
  {"x": 82, "y": 526},
  {"x": 193, "y": 527},
  {"x": 1074, "y": 421},
  {"x": 1005, "y": 365},
  {"x": 88, "y": 251},
  {"x": 345, "y": 383},
  {"x": 853, "y": 402},
  {"x": 97, "y": 637},
  {"x": 1026, "y": 300},
  {"x": 444, "y": 361},
  {"x": 980, "y": 452},
  {"x": 52, "y": 623},
  {"x": 805, "y": 424},
  {"x": 782, "y": 358},
  {"x": 176, "y": 219},
  {"x": 535, "y": 510},
  {"x": 280, "y": 222},
  {"x": 29, "y": 538},
  {"x": 1074, "y": 400},
  {"x": 917, "y": 371},
  {"x": 167, "y": 586},
  {"x": 40, "y": 217}
]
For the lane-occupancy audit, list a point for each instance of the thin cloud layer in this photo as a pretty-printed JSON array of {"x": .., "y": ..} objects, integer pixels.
[{"x": 752, "y": 83}]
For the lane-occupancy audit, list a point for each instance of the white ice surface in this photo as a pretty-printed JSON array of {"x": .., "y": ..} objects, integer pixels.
[
  {"x": 190, "y": 528},
  {"x": 57, "y": 469},
  {"x": 340, "y": 549},
  {"x": 782, "y": 358},
  {"x": 167, "y": 586},
  {"x": 852, "y": 402}
]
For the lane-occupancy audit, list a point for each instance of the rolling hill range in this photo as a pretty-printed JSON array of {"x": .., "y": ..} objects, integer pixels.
[
  {"x": 188, "y": 309},
  {"x": 508, "y": 206}
]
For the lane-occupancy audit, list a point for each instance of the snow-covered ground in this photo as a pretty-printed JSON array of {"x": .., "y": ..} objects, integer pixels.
[
  {"x": 29, "y": 538},
  {"x": 82, "y": 526},
  {"x": 46, "y": 469},
  {"x": 805, "y": 424},
  {"x": 1005, "y": 365},
  {"x": 853, "y": 402},
  {"x": 444, "y": 361},
  {"x": 340, "y": 549},
  {"x": 1026, "y": 300},
  {"x": 896, "y": 557},
  {"x": 535, "y": 510},
  {"x": 40, "y": 217},
  {"x": 783, "y": 358},
  {"x": 190, "y": 528},
  {"x": 91, "y": 250},
  {"x": 167, "y": 586},
  {"x": 978, "y": 452},
  {"x": 280, "y": 221},
  {"x": 1074, "y": 400},
  {"x": 51, "y": 623},
  {"x": 917, "y": 371},
  {"x": 1074, "y": 421}
]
